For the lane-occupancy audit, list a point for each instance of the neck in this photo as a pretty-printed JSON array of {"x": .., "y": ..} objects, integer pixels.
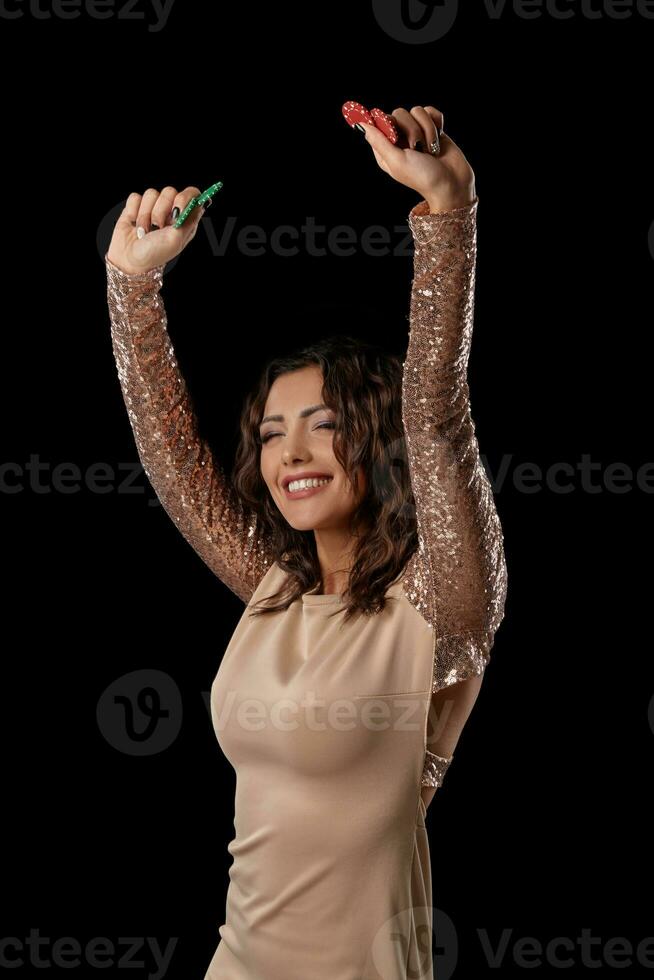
[{"x": 335, "y": 550}]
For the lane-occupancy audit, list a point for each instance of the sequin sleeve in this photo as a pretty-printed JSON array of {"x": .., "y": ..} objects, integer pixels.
[
  {"x": 187, "y": 478},
  {"x": 434, "y": 769},
  {"x": 457, "y": 578}
]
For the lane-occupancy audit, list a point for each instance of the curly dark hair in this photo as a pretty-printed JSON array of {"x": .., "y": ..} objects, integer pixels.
[{"x": 362, "y": 384}]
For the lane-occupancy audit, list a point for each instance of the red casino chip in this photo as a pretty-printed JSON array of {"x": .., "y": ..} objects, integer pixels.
[
  {"x": 354, "y": 113},
  {"x": 385, "y": 124}
]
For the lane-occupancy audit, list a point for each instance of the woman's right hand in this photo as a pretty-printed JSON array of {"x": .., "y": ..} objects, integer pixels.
[{"x": 135, "y": 255}]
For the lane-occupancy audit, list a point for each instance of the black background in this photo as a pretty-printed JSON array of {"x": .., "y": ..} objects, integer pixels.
[{"x": 543, "y": 827}]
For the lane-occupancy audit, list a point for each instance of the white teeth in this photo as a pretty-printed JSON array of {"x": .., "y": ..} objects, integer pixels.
[{"x": 306, "y": 484}]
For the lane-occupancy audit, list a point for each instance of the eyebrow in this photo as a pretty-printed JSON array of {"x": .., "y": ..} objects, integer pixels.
[{"x": 301, "y": 415}]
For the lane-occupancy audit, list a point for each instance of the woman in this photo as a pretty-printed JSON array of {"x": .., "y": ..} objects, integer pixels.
[{"x": 373, "y": 591}]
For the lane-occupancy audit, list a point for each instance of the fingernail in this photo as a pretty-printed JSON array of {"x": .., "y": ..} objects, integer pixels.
[
  {"x": 140, "y": 232},
  {"x": 418, "y": 146},
  {"x": 175, "y": 214}
]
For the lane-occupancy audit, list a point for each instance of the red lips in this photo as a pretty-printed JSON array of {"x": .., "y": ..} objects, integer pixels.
[{"x": 354, "y": 113}]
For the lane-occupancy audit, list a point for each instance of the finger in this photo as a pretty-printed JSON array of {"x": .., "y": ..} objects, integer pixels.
[
  {"x": 379, "y": 160},
  {"x": 427, "y": 124},
  {"x": 163, "y": 207},
  {"x": 408, "y": 126},
  {"x": 182, "y": 199},
  {"x": 127, "y": 216},
  {"x": 382, "y": 146},
  {"x": 437, "y": 116},
  {"x": 148, "y": 201}
]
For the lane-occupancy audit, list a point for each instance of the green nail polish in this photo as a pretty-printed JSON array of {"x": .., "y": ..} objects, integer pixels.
[{"x": 195, "y": 201}]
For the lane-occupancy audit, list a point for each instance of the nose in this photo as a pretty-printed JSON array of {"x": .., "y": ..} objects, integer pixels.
[{"x": 295, "y": 449}]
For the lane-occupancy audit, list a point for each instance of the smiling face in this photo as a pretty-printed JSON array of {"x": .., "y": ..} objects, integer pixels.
[{"x": 299, "y": 440}]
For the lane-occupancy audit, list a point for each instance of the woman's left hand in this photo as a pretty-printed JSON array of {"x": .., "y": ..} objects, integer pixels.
[{"x": 445, "y": 181}]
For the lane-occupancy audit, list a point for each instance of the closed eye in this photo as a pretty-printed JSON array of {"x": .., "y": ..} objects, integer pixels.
[{"x": 269, "y": 435}]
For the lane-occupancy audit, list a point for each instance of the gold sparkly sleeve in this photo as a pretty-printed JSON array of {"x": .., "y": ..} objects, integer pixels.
[
  {"x": 188, "y": 480},
  {"x": 434, "y": 769},
  {"x": 457, "y": 578}
]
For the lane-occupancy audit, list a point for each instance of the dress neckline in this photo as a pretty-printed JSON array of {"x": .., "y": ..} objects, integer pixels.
[{"x": 313, "y": 598}]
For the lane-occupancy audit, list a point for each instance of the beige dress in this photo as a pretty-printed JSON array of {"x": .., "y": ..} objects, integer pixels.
[{"x": 326, "y": 724}]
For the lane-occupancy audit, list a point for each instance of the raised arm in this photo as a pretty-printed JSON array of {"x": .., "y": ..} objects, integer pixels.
[
  {"x": 188, "y": 480},
  {"x": 457, "y": 578}
]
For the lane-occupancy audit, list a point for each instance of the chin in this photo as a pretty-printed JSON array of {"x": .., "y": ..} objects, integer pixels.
[
  {"x": 303, "y": 522},
  {"x": 302, "y": 526},
  {"x": 306, "y": 522}
]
